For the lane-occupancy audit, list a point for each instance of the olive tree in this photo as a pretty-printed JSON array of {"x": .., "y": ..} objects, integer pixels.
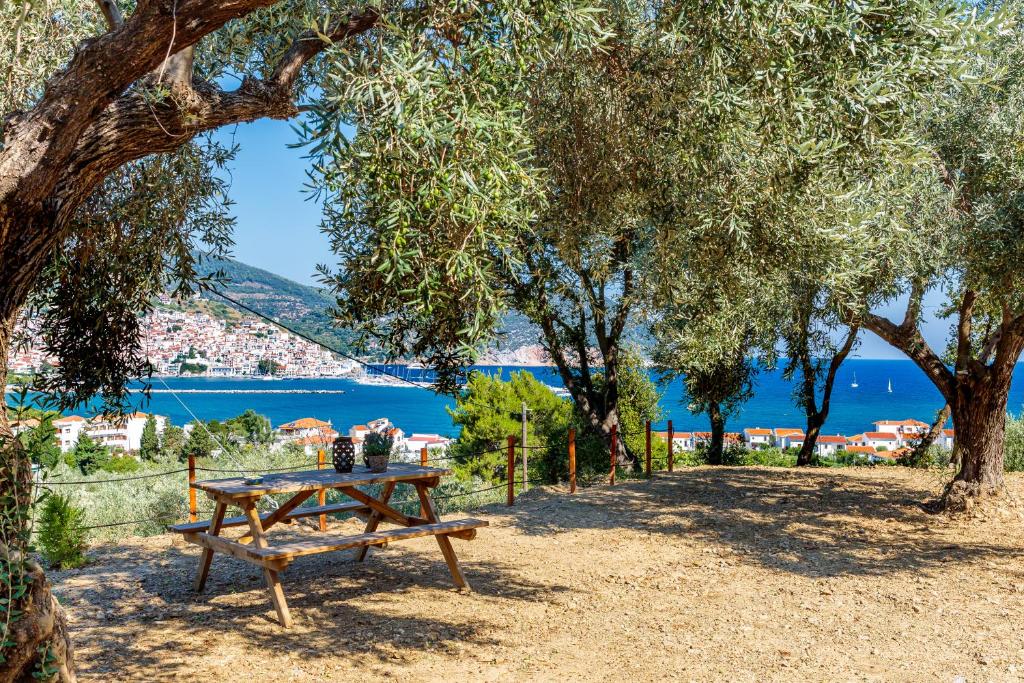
[
  {"x": 108, "y": 181},
  {"x": 974, "y": 133}
]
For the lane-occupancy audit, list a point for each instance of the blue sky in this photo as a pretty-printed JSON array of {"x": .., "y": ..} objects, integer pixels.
[{"x": 278, "y": 223}]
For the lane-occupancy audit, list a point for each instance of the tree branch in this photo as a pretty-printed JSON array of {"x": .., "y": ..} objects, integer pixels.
[
  {"x": 833, "y": 368},
  {"x": 112, "y": 13},
  {"x": 909, "y": 341},
  {"x": 311, "y": 44},
  {"x": 963, "y": 330}
]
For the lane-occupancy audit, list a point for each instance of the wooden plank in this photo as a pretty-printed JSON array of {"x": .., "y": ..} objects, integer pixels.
[
  {"x": 375, "y": 517},
  {"x": 259, "y": 540},
  {"x": 313, "y": 480},
  {"x": 280, "y": 513},
  {"x": 320, "y": 544},
  {"x": 297, "y": 513},
  {"x": 381, "y": 508},
  {"x": 207, "y": 557},
  {"x": 443, "y": 541}
]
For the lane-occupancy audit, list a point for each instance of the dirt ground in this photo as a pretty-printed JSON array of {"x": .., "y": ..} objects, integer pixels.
[{"x": 746, "y": 574}]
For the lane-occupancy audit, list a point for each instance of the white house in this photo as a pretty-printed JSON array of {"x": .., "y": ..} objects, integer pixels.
[
  {"x": 906, "y": 430},
  {"x": 68, "y": 429},
  {"x": 945, "y": 439},
  {"x": 432, "y": 442},
  {"x": 756, "y": 437},
  {"x": 828, "y": 445},
  {"x": 681, "y": 441},
  {"x": 788, "y": 437},
  {"x": 303, "y": 427},
  {"x": 876, "y": 440}
]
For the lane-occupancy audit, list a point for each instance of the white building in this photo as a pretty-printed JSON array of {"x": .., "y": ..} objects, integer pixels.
[
  {"x": 828, "y": 445},
  {"x": 414, "y": 443},
  {"x": 887, "y": 440},
  {"x": 114, "y": 431},
  {"x": 756, "y": 437},
  {"x": 681, "y": 441}
]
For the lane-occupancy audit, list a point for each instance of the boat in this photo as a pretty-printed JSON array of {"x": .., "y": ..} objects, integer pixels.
[
  {"x": 854, "y": 382},
  {"x": 890, "y": 386}
]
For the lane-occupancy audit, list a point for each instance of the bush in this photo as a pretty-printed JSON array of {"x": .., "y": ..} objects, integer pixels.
[
  {"x": 121, "y": 464},
  {"x": 60, "y": 533},
  {"x": 770, "y": 457},
  {"x": 378, "y": 444},
  {"x": 1013, "y": 447}
]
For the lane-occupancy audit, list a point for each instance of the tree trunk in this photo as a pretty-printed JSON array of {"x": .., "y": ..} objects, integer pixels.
[
  {"x": 717, "y": 447},
  {"x": 39, "y": 634},
  {"x": 806, "y": 456},
  {"x": 979, "y": 420}
]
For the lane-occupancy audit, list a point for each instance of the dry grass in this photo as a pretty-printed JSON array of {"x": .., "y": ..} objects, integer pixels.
[{"x": 745, "y": 574}]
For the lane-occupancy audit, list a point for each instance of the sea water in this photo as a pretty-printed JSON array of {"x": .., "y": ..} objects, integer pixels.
[{"x": 420, "y": 410}]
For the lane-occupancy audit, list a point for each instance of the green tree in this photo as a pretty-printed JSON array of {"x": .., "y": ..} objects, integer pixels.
[
  {"x": 973, "y": 136},
  {"x": 718, "y": 391},
  {"x": 253, "y": 427},
  {"x": 40, "y": 442},
  {"x": 198, "y": 444},
  {"x": 173, "y": 442},
  {"x": 149, "y": 443},
  {"x": 109, "y": 180},
  {"x": 61, "y": 536},
  {"x": 89, "y": 455},
  {"x": 488, "y": 411}
]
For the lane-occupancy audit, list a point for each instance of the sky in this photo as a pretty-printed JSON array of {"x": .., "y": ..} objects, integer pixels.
[{"x": 278, "y": 222}]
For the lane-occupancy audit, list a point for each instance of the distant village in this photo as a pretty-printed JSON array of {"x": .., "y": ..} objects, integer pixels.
[
  {"x": 125, "y": 433},
  {"x": 194, "y": 343},
  {"x": 885, "y": 442}
]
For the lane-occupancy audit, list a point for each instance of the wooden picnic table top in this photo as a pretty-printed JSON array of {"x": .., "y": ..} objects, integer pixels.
[{"x": 309, "y": 480}]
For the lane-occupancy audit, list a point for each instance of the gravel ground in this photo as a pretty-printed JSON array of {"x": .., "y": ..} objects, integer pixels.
[{"x": 727, "y": 574}]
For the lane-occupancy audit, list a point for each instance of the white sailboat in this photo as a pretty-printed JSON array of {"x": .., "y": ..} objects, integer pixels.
[
  {"x": 854, "y": 382},
  {"x": 890, "y": 385}
]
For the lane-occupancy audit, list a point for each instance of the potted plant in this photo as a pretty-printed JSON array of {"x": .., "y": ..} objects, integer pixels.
[{"x": 377, "y": 451}]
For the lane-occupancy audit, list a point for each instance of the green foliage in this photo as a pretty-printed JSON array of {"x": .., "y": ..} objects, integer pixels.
[
  {"x": 378, "y": 444},
  {"x": 770, "y": 457},
  {"x": 173, "y": 442},
  {"x": 198, "y": 444},
  {"x": 191, "y": 368},
  {"x": 488, "y": 411},
  {"x": 267, "y": 366},
  {"x": 89, "y": 455},
  {"x": 121, "y": 464},
  {"x": 61, "y": 537},
  {"x": 1013, "y": 447},
  {"x": 40, "y": 443},
  {"x": 149, "y": 444},
  {"x": 252, "y": 427}
]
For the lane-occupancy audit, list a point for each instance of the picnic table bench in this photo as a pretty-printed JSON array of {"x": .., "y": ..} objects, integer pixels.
[{"x": 255, "y": 546}]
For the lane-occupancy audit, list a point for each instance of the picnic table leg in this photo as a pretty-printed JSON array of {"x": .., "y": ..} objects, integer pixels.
[
  {"x": 443, "y": 541},
  {"x": 375, "y": 517},
  {"x": 259, "y": 539},
  {"x": 207, "y": 557}
]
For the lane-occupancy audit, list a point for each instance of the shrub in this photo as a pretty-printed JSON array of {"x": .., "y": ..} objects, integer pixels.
[
  {"x": 1013, "y": 447},
  {"x": 60, "y": 533},
  {"x": 770, "y": 457},
  {"x": 378, "y": 444},
  {"x": 120, "y": 464}
]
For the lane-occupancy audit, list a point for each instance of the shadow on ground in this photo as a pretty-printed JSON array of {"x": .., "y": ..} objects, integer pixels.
[
  {"x": 338, "y": 607},
  {"x": 814, "y": 523}
]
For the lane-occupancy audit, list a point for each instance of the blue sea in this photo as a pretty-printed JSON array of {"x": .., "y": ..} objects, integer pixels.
[{"x": 420, "y": 410}]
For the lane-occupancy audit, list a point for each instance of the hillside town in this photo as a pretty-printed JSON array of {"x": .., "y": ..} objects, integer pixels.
[
  {"x": 178, "y": 342},
  {"x": 883, "y": 443}
]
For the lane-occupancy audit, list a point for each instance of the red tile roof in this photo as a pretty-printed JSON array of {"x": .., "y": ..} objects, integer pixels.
[
  {"x": 880, "y": 436},
  {"x": 757, "y": 431},
  {"x": 831, "y": 438}
]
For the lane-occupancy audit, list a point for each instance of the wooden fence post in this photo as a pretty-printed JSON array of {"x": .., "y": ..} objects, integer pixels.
[
  {"x": 193, "y": 513},
  {"x": 572, "y": 460},
  {"x": 614, "y": 447},
  {"x": 648, "y": 447},
  {"x": 511, "y": 470},
  {"x": 423, "y": 462},
  {"x": 671, "y": 438},
  {"x": 321, "y": 497}
]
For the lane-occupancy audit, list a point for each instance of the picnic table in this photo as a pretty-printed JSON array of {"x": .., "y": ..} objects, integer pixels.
[{"x": 255, "y": 546}]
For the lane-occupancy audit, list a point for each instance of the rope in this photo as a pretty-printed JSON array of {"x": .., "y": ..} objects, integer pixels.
[{"x": 111, "y": 481}]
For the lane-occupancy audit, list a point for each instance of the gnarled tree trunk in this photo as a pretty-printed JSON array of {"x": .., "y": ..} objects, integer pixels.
[
  {"x": 806, "y": 455},
  {"x": 979, "y": 422},
  {"x": 41, "y": 627}
]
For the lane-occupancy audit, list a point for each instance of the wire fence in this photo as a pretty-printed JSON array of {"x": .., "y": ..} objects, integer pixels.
[{"x": 513, "y": 449}]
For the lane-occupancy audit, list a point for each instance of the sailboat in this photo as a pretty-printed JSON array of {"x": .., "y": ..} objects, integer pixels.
[
  {"x": 890, "y": 385},
  {"x": 854, "y": 382}
]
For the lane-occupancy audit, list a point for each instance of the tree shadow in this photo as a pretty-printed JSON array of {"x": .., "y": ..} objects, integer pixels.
[
  {"x": 813, "y": 523},
  {"x": 140, "y": 611}
]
